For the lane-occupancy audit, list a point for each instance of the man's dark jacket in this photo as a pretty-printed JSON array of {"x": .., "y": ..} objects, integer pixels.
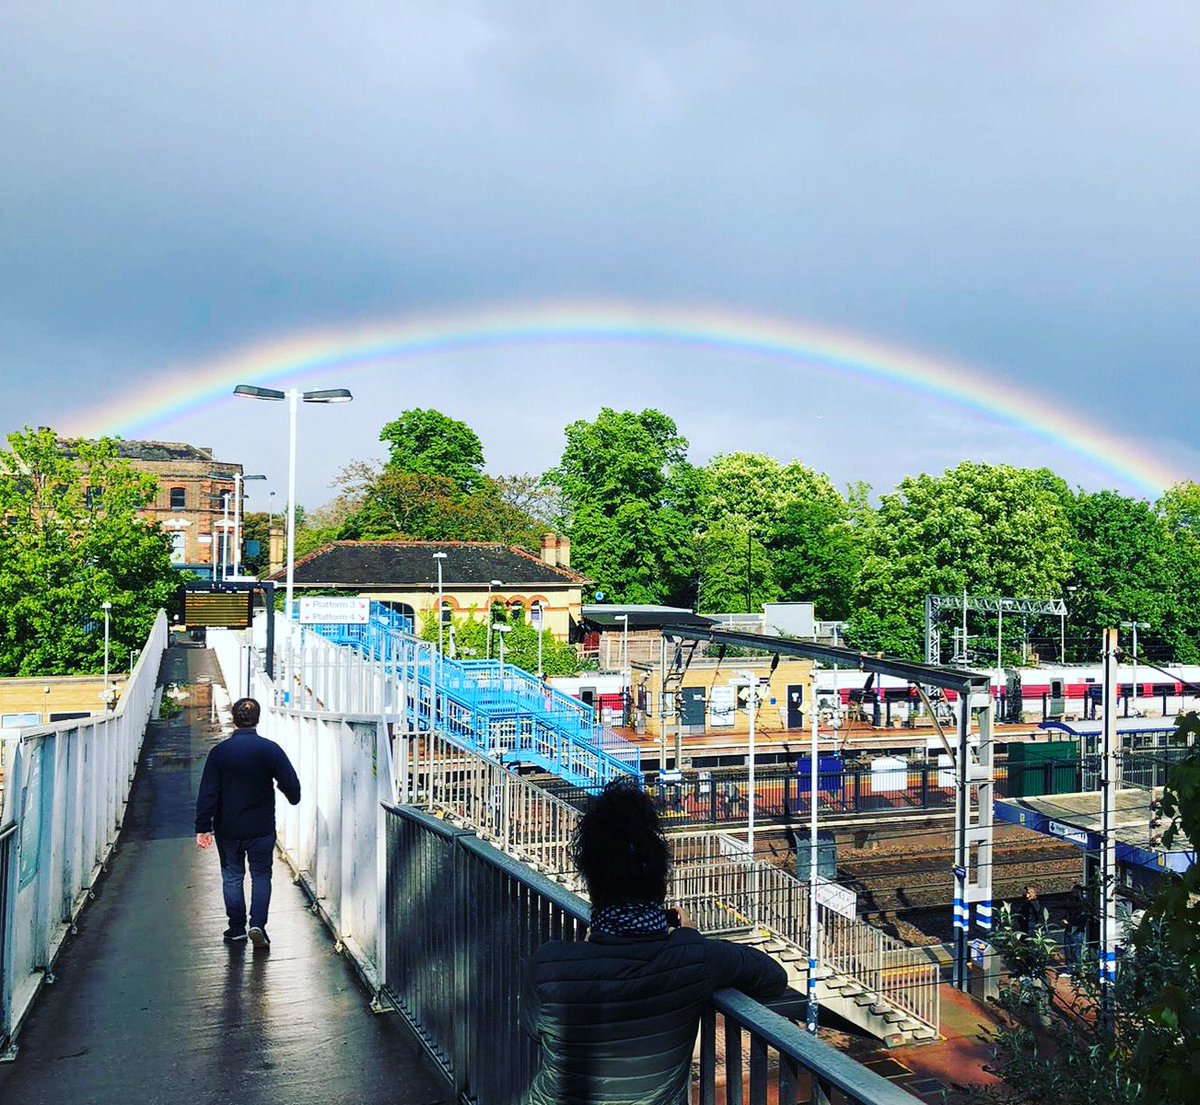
[
  {"x": 237, "y": 796},
  {"x": 617, "y": 1016}
]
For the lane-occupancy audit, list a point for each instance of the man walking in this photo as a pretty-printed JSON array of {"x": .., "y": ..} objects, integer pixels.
[{"x": 237, "y": 799}]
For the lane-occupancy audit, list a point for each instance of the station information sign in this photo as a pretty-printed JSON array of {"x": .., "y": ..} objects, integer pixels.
[
  {"x": 218, "y": 609},
  {"x": 335, "y": 611}
]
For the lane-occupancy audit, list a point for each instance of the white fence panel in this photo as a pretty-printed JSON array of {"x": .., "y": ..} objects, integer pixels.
[{"x": 66, "y": 786}]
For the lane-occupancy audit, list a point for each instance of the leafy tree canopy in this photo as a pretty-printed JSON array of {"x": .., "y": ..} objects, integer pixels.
[
  {"x": 733, "y": 569},
  {"x": 990, "y": 528},
  {"x": 71, "y": 540},
  {"x": 628, "y": 497},
  {"x": 429, "y": 443},
  {"x": 1121, "y": 568}
]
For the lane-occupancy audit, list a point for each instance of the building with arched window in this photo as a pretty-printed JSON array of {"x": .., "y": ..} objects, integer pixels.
[{"x": 475, "y": 575}]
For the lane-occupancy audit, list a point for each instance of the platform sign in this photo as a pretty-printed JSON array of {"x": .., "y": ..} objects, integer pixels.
[
  {"x": 841, "y": 899},
  {"x": 722, "y": 705},
  {"x": 219, "y": 609},
  {"x": 334, "y": 611}
]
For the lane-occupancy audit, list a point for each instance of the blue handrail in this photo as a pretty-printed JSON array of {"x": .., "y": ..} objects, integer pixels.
[{"x": 503, "y": 712}]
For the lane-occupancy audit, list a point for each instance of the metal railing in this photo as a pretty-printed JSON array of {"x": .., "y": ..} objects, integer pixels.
[
  {"x": 502, "y": 711},
  {"x": 463, "y": 918},
  {"x": 721, "y": 893},
  {"x": 727, "y": 894},
  {"x": 66, "y": 788}
]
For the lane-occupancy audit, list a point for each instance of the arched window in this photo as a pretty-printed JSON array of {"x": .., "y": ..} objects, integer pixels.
[{"x": 516, "y": 609}]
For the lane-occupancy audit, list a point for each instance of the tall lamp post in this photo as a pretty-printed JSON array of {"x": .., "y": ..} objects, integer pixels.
[
  {"x": 624, "y": 620},
  {"x": 221, "y": 557},
  {"x": 503, "y": 630},
  {"x": 238, "y": 480},
  {"x": 294, "y": 397},
  {"x": 491, "y": 583},
  {"x": 438, "y": 558},
  {"x": 1133, "y": 693},
  {"x": 107, "y": 608}
]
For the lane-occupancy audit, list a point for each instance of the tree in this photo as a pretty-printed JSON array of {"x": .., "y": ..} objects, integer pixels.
[
  {"x": 429, "y": 443},
  {"x": 1121, "y": 569},
  {"x": 71, "y": 540},
  {"x": 628, "y": 498},
  {"x": 1179, "y": 510},
  {"x": 733, "y": 570},
  {"x": 798, "y": 518},
  {"x": 990, "y": 528}
]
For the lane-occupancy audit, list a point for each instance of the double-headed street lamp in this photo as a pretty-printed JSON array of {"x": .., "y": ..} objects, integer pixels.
[
  {"x": 238, "y": 480},
  {"x": 294, "y": 397}
]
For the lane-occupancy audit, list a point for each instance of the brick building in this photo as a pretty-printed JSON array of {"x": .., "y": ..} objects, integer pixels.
[{"x": 188, "y": 503}]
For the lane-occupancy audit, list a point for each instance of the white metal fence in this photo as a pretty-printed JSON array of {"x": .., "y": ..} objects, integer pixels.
[{"x": 66, "y": 786}]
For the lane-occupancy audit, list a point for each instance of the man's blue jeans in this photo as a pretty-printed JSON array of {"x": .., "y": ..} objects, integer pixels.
[{"x": 234, "y": 852}]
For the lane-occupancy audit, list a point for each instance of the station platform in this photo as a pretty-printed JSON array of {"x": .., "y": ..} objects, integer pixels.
[{"x": 149, "y": 1005}]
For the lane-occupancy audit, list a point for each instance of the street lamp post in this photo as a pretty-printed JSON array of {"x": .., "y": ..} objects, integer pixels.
[
  {"x": 224, "y": 535},
  {"x": 491, "y": 583},
  {"x": 238, "y": 495},
  {"x": 439, "y": 557},
  {"x": 624, "y": 619},
  {"x": 238, "y": 480},
  {"x": 107, "y": 608},
  {"x": 503, "y": 630},
  {"x": 294, "y": 396},
  {"x": 1133, "y": 693}
]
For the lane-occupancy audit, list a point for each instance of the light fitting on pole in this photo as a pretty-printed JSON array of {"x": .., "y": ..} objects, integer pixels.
[
  {"x": 327, "y": 395},
  {"x": 250, "y": 391}
]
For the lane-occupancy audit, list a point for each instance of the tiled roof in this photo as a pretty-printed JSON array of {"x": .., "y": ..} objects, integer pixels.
[{"x": 401, "y": 564}]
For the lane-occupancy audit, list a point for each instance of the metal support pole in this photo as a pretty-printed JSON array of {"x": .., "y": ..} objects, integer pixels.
[
  {"x": 961, "y": 850},
  {"x": 293, "y": 396},
  {"x": 814, "y": 723},
  {"x": 1108, "y": 859}
]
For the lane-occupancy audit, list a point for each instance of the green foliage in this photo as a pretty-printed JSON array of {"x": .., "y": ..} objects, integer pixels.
[
  {"x": 1179, "y": 510},
  {"x": 71, "y": 540},
  {"x": 628, "y": 497},
  {"x": 1121, "y": 569},
  {"x": 728, "y": 559},
  {"x": 520, "y": 643},
  {"x": 429, "y": 443},
  {"x": 990, "y": 528},
  {"x": 798, "y": 522}
]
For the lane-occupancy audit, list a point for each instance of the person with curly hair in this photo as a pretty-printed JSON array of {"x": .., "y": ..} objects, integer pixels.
[{"x": 616, "y": 1015}]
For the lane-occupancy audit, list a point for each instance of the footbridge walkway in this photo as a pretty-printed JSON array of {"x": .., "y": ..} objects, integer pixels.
[{"x": 104, "y": 895}]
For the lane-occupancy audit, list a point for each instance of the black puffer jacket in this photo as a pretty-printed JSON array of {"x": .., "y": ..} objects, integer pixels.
[{"x": 617, "y": 1016}]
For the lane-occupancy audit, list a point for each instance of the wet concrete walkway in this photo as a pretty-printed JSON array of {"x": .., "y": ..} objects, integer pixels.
[{"x": 150, "y": 1006}]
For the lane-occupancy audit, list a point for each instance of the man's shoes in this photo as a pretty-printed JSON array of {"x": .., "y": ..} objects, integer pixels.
[
  {"x": 258, "y": 937},
  {"x": 234, "y": 936}
]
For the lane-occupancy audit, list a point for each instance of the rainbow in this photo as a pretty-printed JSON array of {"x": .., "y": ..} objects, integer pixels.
[{"x": 325, "y": 352}]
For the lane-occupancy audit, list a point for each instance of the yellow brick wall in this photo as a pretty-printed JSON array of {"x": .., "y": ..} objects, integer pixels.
[{"x": 53, "y": 695}]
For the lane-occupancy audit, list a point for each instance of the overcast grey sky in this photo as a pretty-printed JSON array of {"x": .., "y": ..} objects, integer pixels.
[{"x": 1010, "y": 184}]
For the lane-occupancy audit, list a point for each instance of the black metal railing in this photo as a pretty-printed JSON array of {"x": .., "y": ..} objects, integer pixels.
[{"x": 462, "y": 919}]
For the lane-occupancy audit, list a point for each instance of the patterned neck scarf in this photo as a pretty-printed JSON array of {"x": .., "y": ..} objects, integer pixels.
[{"x": 630, "y": 919}]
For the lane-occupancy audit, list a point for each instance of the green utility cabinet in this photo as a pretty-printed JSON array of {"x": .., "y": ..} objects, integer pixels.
[{"x": 1049, "y": 768}]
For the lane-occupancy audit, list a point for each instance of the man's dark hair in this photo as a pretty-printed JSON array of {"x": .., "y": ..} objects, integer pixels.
[
  {"x": 246, "y": 712},
  {"x": 619, "y": 847}
]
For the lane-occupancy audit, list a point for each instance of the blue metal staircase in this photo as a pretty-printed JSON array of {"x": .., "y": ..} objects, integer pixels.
[{"x": 505, "y": 713}]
